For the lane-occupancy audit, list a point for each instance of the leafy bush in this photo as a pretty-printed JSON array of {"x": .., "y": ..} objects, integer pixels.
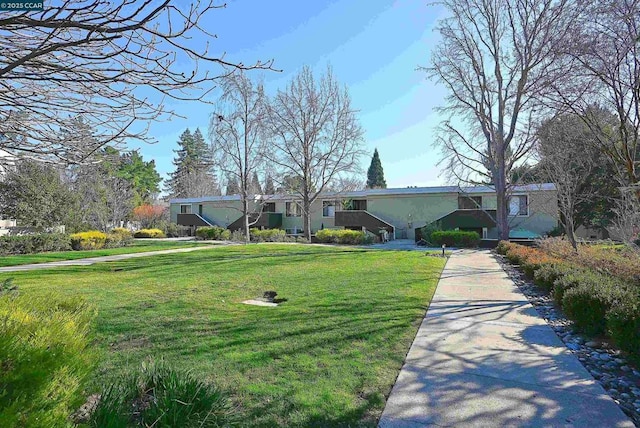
[
  {"x": 173, "y": 230},
  {"x": 91, "y": 240},
  {"x": 45, "y": 358},
  {"x": 623, "y": 325},
  {"x": 587, "y": 303},
  {"x": 149, "y": 233},
  {"x": 343, "y": 236},
  {"x": 121, "y": 231},
  {"x": 267, "y": 235},
  {"x": 547, "y": 274},
  {"x": 27, "y": 244},
  {"x": 159, "y": 395},
  {"x": 215, "y": 233},
  {"x": 427, "y": 230},
  {"x": 455, "y": 238}
]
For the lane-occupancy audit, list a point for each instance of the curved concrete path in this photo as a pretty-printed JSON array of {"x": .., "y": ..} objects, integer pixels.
[
  {"x": 484, "y": 357},
  {"x": 91, "y": 260}
]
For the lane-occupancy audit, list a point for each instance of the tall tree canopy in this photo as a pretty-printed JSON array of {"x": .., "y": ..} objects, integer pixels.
[
  {"x": 194, "y": 173},
  {"x": 375, "y": 174},
  {"x": 496, "y": 59},
  {"x": 142, "y": 175},
  {"x": 315, "y": 134}
]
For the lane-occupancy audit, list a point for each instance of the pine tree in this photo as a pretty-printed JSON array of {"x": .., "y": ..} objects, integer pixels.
[
  {"x": 269, "y": 187},
  {"x": 194, "y": 175},
  {"x": 375, "y": 174},
  {"x": 254, "y": 186},
  {"x": 233, "y": 187}
]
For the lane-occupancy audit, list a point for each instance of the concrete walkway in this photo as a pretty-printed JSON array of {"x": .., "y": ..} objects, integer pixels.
[
  {"x": 92, "y": 260},
  {"x": 484, "y": 357}
]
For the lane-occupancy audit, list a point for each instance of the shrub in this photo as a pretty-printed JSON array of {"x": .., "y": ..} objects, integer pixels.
[
  {"x": 455, "y": 238},
  {"x": 91, "y": 240},
  {"x": 547, "y": 274},
  {"x": 623, "y": 325},
  {"x": 502, "y": 247},
  {"x": 27, "y": 244},
  {"x": 149, "y": 233},
  {"x": 267, "y": 235},
  {"x": 215, "y": 233},
  {"x": 427, "y": 230},
  {"x": 587, "y": 303},
  {"x": 149, "y": 215},
  {"x": 173, "y": 230},
  {"x": 565, "y": 282},
  {"x": 343, "y": 236},
  {"x": 159, "y": 395},
  {"x": 121, "y": 231},
  {"x": 45, "y": 359}
]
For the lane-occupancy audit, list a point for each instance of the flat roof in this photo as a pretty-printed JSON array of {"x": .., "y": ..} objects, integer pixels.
[{"x": 377, "y": 192}]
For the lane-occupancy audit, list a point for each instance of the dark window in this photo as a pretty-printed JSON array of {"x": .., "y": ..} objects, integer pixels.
[
  {"x": 293, "y": 209},
  {"x": 328, "y": 208},
  {"x": 359, "y": 204},
  {"x": 200, "y": 209},
  {"x": 269, "y": 207},
  {"x": 519, "y": 205},
  {"x": 185, "y": 209},
  {"x": 469, "y": 202}
]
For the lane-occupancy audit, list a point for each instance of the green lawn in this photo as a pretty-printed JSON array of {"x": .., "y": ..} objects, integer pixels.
[
  {"x": 138, "y": 246},
  {"x": 326, "y": 357}
]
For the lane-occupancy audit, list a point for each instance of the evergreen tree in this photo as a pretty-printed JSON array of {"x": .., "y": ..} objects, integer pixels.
[
  {"x": 269, "y": 187},
  {"x": 194, "y": 175},
  {"x": 254, "y": 185},
  {"x": 233, "y": 187},
  {"x": 375, "y": 174},
  {"x": 142, "y": 175}
]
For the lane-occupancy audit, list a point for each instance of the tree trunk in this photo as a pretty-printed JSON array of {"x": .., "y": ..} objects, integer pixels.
[
  {"x": 245, "y": 212},
  {"x": 570, "y": 230},
  {"x": 307, "y": 219},
  {"x": 502, "y": 204}
]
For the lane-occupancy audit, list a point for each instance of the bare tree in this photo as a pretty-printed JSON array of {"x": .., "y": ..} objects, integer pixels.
[
  {"x": 496, "y": 59},
  {"x": 237, "y": 132},
  {"x": 315, "y": 135},
  {"x": 95, "y": 59},
  {"x": 569, "y": 158},
  {"x": 606, "y": 46}
]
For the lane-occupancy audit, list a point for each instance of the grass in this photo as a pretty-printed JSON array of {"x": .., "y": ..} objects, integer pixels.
[
  {"x": 326, "y": 357},
  {"x": 138, "y": 246}
]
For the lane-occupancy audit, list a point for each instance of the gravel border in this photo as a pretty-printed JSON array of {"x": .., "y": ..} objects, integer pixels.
[{"x": 606, "y": 364}]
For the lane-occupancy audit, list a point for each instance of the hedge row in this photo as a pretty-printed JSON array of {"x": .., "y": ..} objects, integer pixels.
[
  {"x": 597, "y": 302},
  {"x": 27, "y": 244},
  {"x": 343, "y": 236},
  {"x": 267, "y": 235},
  {"x": 455, "y": 238},
  {"x": 95, "y": 240},
  {"x": 213, "y": 233},
  {"x": 149, "y": 233}
]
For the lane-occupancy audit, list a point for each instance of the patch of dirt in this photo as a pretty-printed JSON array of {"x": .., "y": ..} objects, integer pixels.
[{"x": 131, "y": 343}]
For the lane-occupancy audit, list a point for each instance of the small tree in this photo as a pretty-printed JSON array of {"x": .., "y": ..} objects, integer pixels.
[
  {"x": 315, "y": 135},
  {"x": 375, "y": 174},
  {"x": 269, "y": 187},
  {"x": 237, "y": 137},
  {"x": 149, "y": 215}
]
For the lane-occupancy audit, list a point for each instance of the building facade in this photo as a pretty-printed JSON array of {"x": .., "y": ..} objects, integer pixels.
[{"x": 533, "y": 211}]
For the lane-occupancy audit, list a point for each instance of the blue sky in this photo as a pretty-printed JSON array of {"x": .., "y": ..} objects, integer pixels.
[{"x": 374, "y": 48}]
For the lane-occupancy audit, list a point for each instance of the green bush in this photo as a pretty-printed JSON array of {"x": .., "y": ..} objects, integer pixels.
[
  {"x": 122, "y": 232},
  {"x": 546, "y": 275},
  {"x": 45, "y": 359},
  {"x": 455, "y": 238},
  {"x": 149, "y": 233},
  {"x": 567, "y": 281},
  {"x": 159, "y": 395},
  {"x": 587, "y": 305},
  {"x": 27, "y": 244},
  {"x": 215, "y": 233},
  {"x": 267, "y": 235},
  {"x": 343, "y": 236},
  {"x": 428, "y": 230},
  {"x": 623, "y": 325},
  {"x": 91, "y": 240}
]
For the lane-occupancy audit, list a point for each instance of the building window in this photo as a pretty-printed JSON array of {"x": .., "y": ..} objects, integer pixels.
[
  {"x": 185, "y": 209},
  {"x": 469, "y": 202},
  {"x": 328, "y": 208},
  {"x": 359, "y": 204},
  {"x": 269, "y": 207},
  {"x": 519, "y": 205},
  {"x": 200, "y": 210},
  {"x": 293, "y": 209}
]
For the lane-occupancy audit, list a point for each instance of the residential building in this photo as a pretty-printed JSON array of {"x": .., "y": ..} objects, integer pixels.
[{"x": 533, "y": 211}]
